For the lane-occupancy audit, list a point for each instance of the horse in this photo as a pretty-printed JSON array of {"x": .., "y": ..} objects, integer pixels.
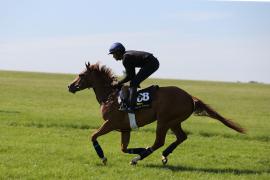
[{"x": 170, "y": 107}]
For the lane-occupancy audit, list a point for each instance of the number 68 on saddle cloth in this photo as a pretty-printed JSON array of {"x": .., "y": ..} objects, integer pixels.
[{"x": 144, "y": 97}]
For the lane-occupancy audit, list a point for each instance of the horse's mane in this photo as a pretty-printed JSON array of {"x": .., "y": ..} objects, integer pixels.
[
  {"x": 108, "y": 77},
  {"x": 104, "y": 72}
]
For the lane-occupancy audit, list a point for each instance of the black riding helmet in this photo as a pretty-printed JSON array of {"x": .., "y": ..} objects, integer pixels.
[{"x": 117, "y": 47}]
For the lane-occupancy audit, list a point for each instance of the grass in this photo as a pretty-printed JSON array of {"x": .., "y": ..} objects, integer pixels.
[{"x": 44, "y": 133}]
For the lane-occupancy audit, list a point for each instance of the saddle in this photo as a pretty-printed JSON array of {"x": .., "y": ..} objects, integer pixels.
[{"x": 144, "y": 97}]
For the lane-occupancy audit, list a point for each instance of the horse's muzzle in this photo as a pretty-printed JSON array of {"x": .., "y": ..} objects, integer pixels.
[{"x": 73, "y": 88}]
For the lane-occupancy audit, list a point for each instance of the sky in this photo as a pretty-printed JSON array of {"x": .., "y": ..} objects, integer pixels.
[{"x": 218, "y": 40}]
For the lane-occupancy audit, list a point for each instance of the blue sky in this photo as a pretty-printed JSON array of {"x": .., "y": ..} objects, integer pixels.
[{"x": 195, "y": 39}]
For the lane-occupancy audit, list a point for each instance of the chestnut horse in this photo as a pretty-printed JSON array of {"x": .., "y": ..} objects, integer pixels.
[{"x": 170, "y": 107}]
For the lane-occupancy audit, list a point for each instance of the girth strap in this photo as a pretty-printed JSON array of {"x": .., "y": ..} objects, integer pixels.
[{"x": 132, "y": 121}]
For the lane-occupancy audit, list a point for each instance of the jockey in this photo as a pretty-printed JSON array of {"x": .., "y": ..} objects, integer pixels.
[{"x": 131, "y": 59}]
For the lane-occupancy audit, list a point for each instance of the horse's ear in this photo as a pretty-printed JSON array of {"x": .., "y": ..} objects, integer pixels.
[{"x": 87, "y": 65}]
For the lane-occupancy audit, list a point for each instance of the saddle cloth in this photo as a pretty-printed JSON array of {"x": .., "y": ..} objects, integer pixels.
[{"x": 144, "y": 97}]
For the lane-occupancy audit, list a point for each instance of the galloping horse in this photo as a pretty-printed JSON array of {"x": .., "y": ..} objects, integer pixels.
[{"x": 170, "y": 107}]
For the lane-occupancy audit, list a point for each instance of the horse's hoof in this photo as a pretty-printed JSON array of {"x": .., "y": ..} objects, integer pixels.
[
  {"x": 135, "y": 160},
  {"x": 133, "y": 163},
  {"x": 104, "y": 160},
  {"x": 164, "y": 160}
]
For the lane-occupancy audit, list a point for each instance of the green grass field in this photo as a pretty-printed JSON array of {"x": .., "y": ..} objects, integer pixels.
[{"x": 44, "y": 133}]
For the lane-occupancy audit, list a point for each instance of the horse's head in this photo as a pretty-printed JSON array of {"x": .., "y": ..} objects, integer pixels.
[{"x": 82, "y": 81}]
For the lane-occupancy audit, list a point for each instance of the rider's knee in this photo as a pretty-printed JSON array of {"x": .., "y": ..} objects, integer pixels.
[{"x": 134, "y": 83}]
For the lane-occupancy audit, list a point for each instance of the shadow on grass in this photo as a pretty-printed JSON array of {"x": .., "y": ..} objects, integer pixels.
[
  {"x": 225, "y": 136},
  {"x": 9, "y": 112},
  {"x": 206, "y": 170},
  {"x": 151, "y": 130},
  {"x": 240, "y": 137},
  {"x": 41, "y": 125}
]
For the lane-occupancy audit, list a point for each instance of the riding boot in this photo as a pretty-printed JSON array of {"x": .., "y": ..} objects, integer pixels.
[
  {"x": 124, "y": 96},
  {"x": 132, "y": 98}
]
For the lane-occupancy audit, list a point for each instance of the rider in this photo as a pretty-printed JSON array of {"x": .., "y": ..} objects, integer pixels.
[{"x": 131, "y": 59}]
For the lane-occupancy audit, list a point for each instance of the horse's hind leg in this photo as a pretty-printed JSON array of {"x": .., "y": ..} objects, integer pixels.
[
  {"x": 160, "y": 140},
  {"x": 125, "y": 137},
  {"x": 180, "y": 137}
]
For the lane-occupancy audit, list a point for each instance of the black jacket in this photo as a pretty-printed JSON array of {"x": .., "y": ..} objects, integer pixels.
[{"x": 133, "y": 59}]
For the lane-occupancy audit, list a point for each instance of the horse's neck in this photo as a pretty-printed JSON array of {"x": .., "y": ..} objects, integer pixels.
[{"x": 102, "y": 93}]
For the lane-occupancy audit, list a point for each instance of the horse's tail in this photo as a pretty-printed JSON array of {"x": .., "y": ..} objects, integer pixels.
[{"x": 202, "y": 109}]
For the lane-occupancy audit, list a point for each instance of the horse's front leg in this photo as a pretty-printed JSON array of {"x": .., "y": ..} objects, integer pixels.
[
  {"x": 125, "y": 137},
  {"x": 104, "y": 129}
]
